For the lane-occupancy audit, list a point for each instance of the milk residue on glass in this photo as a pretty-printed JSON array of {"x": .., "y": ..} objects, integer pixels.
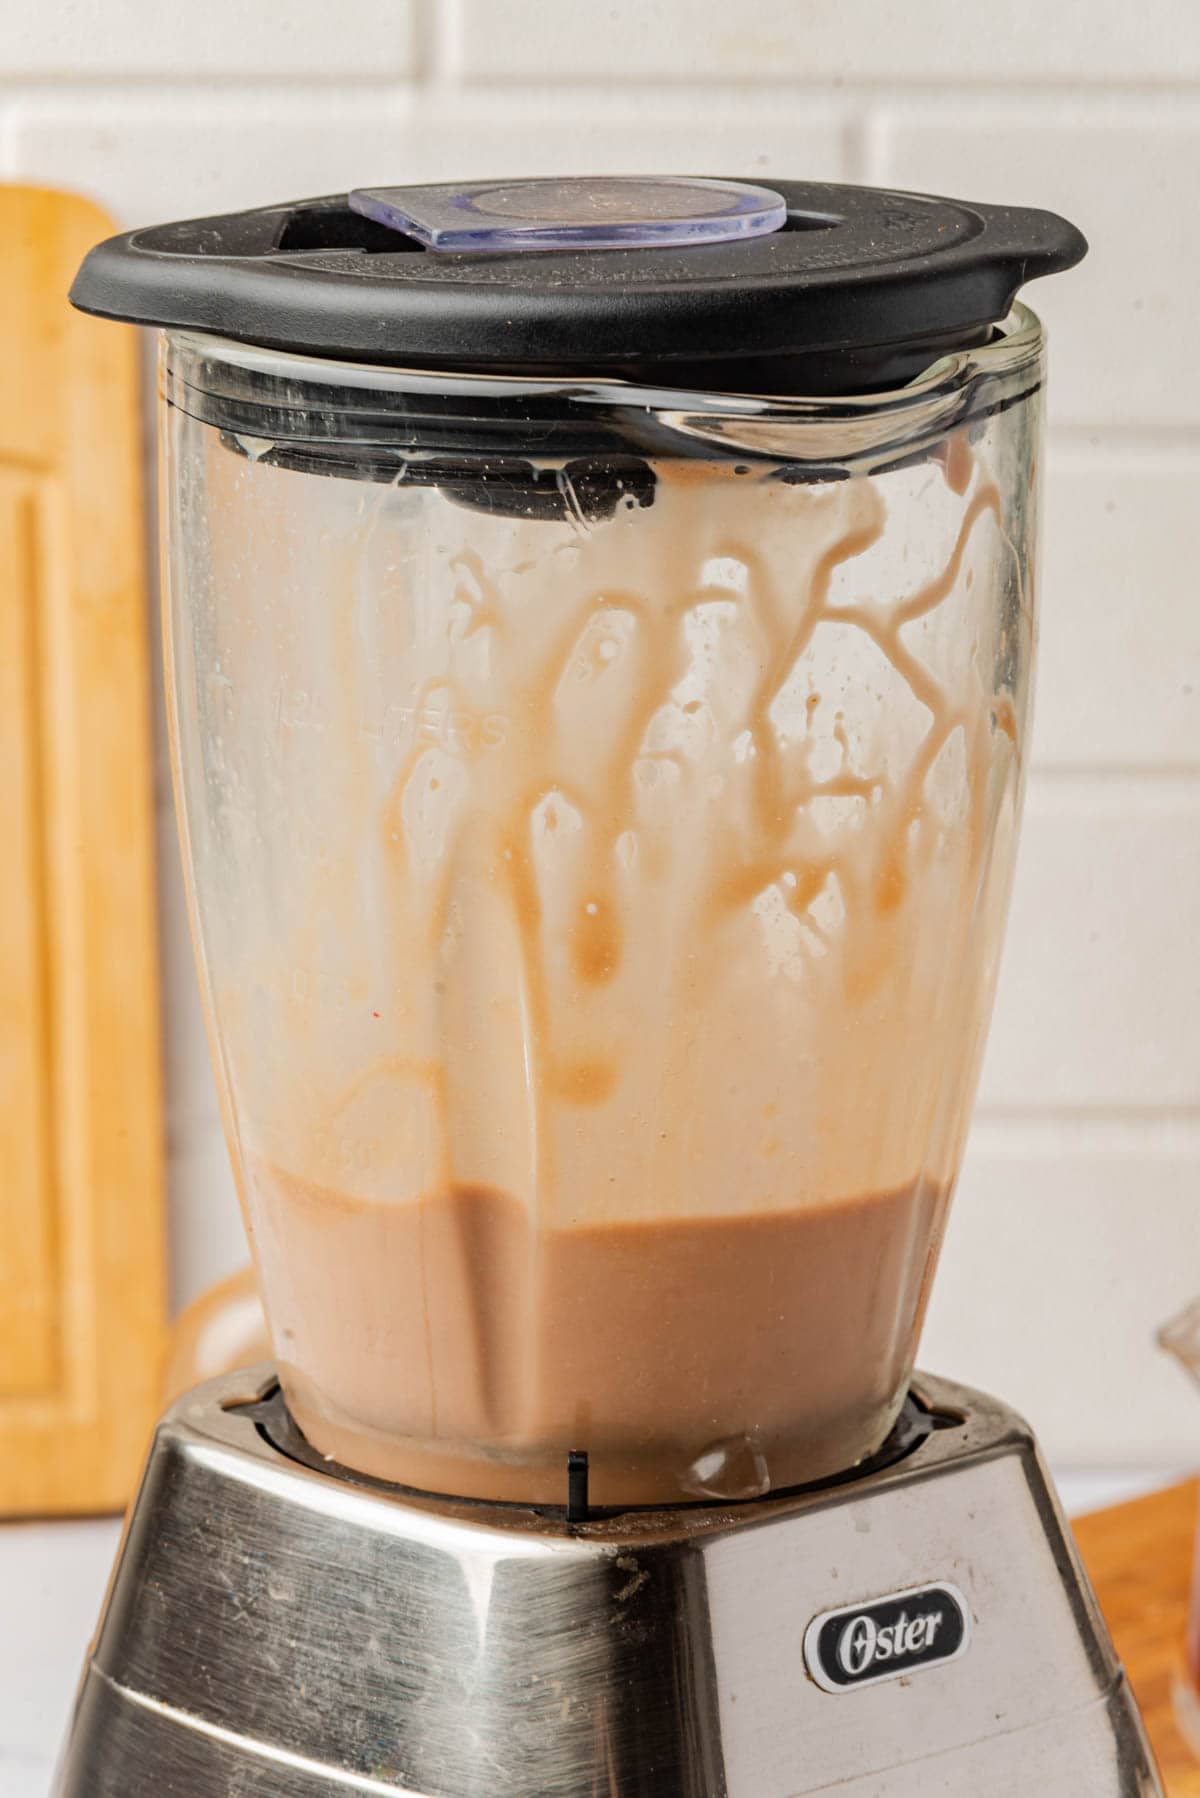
[{"x": 601, "y": 922}]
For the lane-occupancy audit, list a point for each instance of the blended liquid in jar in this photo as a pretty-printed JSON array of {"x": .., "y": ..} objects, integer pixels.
[
  {"x": 601, "y": 1029},
  {"x": 478, "y": 1351}
]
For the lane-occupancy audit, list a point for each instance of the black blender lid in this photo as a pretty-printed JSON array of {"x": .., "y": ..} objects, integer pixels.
[{"x": 796, "y": 287}]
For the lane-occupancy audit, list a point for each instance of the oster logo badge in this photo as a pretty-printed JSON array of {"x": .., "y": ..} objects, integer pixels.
[{"x": 887, "y": 1637}]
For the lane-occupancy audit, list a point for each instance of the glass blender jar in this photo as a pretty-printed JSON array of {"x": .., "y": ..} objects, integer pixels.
[{"x": 599, "y": 632}]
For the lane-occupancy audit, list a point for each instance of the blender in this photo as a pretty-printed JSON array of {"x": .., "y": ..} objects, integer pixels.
[{"x": 599, "y": 628}]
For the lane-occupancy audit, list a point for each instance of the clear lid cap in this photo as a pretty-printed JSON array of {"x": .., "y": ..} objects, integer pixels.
[{"x": 575, "y": 212}]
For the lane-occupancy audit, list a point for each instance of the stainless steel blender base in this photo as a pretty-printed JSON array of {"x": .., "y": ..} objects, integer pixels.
[{"x": 922, "y": 1629}]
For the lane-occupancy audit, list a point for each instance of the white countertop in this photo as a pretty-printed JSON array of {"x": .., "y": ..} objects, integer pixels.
[{"x": 53, "y": 1577}]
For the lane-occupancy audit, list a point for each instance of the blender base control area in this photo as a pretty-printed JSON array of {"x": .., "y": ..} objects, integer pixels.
[
  {"x": 389, "y": 1641},
  {"x": 599, "y": 629}
]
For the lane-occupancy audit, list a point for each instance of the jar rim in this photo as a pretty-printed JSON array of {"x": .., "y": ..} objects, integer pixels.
[{"x": 1017, "y": 340}]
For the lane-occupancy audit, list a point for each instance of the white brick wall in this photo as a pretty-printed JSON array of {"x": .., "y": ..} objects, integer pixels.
[
  {"x": 838, "y": 41},
  {"x": 1077, "y": 1227},
  {"x": 87, "y": 40},
  {"x": 1125, "y": 172}
]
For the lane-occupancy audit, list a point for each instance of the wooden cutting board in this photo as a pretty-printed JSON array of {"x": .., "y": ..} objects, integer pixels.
[
  {"x": 1139, "y": 1557},
  {"x": 81, "y": 1180}
]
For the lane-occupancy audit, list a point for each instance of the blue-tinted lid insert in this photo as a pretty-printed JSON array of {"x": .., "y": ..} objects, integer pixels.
[{"x": 581, "y": 212}]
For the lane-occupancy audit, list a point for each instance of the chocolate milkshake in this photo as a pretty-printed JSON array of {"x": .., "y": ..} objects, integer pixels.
[{"x": 719, "y": 1358}]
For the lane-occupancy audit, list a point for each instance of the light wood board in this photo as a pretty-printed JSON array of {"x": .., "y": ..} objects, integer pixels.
[
  {"x": 81, "y": 1177},
  {"x": 1139, "y": 1557}
]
